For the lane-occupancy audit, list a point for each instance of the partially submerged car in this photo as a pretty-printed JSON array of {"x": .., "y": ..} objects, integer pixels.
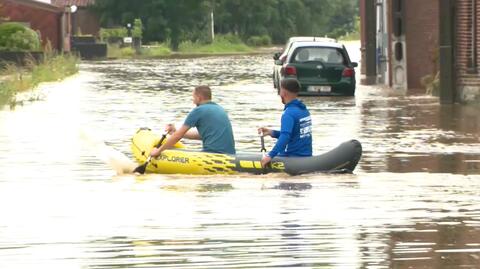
[{"x": 322, "y": 67}]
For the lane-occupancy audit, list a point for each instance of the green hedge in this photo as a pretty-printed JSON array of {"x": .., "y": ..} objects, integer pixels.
[
  {"x": 263, "y": 40},
  {"x": 17, "y": 37},
  {"x": 113, "y": 35},
  {"x": 222, "y": 44},
  {"x": 107, "y": 35}
]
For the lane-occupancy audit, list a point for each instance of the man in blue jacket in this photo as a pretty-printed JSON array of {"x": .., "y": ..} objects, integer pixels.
[{"x": 295, "y": 135}]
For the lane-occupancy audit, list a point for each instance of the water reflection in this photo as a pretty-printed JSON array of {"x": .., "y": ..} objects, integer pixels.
[
  {"x": 442, "y": 243},
  {"x": 293, "y": 186},
  {"x": 411, "y": 134},
  {"x": 214, "y": 188}
]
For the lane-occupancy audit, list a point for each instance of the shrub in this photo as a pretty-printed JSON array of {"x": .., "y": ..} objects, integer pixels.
[
  {"x": 263, "y": 40},
  {"x": 137, "y": 30},
  {"x": 127, "y": 52},
  {"x": 431, "y": 83},
  {"x": 266, "y": 40},
  {"x": 189, "y": 46},
  {"x": 113, "y": 35},
  {"x": 17, "y": 37},
  {"x": 222, "y": 44},
  {"x": 156, "y": 51},
  {"x": 231, "y": 38}
]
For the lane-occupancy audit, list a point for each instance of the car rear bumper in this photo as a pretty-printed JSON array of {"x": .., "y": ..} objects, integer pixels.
[{"x": 345, "y": 86}]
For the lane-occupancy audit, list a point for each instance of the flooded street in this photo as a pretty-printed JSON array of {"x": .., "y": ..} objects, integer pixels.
[{"x": 412, "y": 202}]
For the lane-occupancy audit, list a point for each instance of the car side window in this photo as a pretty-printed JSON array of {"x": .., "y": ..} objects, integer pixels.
[{"x": 285, "y": 52}]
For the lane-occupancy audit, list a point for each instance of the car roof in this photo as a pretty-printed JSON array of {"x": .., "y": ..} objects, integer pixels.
[
  {"x": 311, "y": 38},
  {"x": 299, "y": 44}
]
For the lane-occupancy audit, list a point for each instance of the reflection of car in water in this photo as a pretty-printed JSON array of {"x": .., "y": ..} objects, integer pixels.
[{"x": 322, "y": 67}]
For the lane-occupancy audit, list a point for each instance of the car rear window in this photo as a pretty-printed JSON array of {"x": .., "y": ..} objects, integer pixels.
[{"x": 318, "y": 54}]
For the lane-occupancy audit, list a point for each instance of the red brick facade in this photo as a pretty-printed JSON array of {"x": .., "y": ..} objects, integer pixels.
[
  {"x": 467, "y": 49},
  {"x": 422, "y": 26},
  {"x": 421, "y": 33},
  {"x": 84, "y": 21},
  {"x": 418, "y": 31},
  {"x": 41, "y": 17}
]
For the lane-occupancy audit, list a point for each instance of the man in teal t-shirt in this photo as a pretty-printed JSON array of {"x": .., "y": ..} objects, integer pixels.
[{"x": 212, "y": 126}]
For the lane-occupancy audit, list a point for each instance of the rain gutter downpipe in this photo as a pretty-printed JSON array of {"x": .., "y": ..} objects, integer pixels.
[
  {"x": 472, "y": 67},
  {"x": 371, "y": 41},
  {"x": 446, "y": 43}
]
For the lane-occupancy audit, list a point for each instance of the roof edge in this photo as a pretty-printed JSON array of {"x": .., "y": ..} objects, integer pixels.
[
  {"x": 78, "y": 3},
  {"x": 37, "y": 4}
]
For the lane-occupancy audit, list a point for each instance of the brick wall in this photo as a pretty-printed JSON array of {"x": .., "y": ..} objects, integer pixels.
[
  {"x": 85, "y": 22},
  {"x": 467, "y": 66},
  {"x": 421, "y": 29},
  {"x": 38, "y": 16}
]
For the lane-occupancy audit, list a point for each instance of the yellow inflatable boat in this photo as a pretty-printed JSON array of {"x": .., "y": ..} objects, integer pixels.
[{"x": 180, "y": 160}]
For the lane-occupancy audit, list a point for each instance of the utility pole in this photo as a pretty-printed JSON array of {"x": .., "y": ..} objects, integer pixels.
[
  {"x": 211, "y": 33},
  {"x": 212, "y": 25}
]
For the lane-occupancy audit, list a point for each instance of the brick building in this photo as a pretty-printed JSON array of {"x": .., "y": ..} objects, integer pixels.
[
  {"x": 42, "y": 17},
  {"x": 84, "y": 21},
  {"x": 466, "y": 44},
  {"x": 399, "y": 42},
  {"x": 421, "y": 39},
  {"x": 406, "y": 40}
]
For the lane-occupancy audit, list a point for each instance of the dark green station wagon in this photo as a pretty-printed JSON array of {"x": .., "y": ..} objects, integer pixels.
[{"x": 321, "y": 67}]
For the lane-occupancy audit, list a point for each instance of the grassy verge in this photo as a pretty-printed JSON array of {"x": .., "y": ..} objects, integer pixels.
[
  {"x": 14, "y": 79},
  {"x": 350, "y": 36},
  {"x": 219, "y": 46},
  {"x": 222, "y": 45},
  {"x": 154, "y": 51}
]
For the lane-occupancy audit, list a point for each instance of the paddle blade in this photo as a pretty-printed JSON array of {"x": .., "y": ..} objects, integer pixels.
[{"x": 141, "y": 169}]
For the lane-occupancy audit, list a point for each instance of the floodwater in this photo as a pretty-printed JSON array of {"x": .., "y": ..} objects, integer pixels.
[{"x": 412, "y": 202}]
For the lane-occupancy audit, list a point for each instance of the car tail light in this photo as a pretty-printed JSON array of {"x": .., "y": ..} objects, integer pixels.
[
  {"x": 348, "y": 72},
  {"x": 289, "y": 70}
]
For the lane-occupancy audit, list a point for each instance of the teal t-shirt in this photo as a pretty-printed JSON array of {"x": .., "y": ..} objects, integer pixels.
[{"x": 214, "y": 127}]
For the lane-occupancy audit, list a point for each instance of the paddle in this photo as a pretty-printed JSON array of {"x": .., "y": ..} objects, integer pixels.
[
  {"x": 264, "y": 152},
  {"x": 262, "y": 142},
  {"x": 141, "y": 169}
]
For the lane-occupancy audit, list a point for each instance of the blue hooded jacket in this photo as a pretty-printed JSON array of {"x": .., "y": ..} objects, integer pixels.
[{"x": 295, "y": 135}]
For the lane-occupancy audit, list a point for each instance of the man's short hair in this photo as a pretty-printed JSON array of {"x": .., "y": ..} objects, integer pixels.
[
  {"x": 204, "y": 91},
  {"x": 290, "y": 84}
]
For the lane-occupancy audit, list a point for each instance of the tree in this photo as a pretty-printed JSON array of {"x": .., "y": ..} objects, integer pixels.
[
  {"x": 174, "y": 21},
  {"x": 137, "y": 31}
]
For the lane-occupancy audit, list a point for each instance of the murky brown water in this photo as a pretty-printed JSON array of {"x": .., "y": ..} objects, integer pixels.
[{"x": 413, "y": 201}]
